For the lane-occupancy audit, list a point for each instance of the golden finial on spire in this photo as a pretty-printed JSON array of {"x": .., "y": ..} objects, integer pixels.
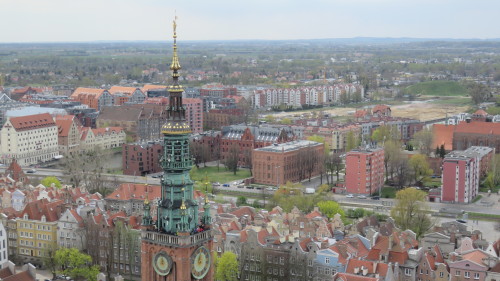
[
  {"x": 183, "y": 206},
  {"x": 175, "y": 59}
]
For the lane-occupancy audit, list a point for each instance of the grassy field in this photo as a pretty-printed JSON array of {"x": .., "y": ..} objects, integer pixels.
[
  {"x": 437, "y": 88},
  {"x": 388, "y": 192},
  {"x": 221, "y": 176},
  {"x": 459, "y": 101}
]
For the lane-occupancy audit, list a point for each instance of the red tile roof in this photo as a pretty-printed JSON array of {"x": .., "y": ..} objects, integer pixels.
[
  {"x": 31, "y": 122},
  {"x": 146, "y": 88},
  {"x": 88, "y": 92},
  {"x": 353, "y": 277},
  {"x": 127, "y": 191},
  {"x": 122, "y": 90},
  {"x": 480, "y": 112},
  {"x": 443, "y": 134},
  {"x": 373, "y": 267},
  {"x": 483, "y": 128},
  {"x": 64, "y": 123},
  {"x": 36, "y": 209},
  {"x": 22, "y": 276}
]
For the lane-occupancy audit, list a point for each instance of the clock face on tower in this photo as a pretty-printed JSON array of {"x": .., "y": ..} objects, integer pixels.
[
  {"x": 200, "y": 262},
  {"x": 162, "y": 263}
]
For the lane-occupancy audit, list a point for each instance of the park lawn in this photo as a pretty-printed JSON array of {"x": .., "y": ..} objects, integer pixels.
[
  {"x": 222, "y": 176},
  {"x": 388, "y": 192},
  {"x": 458, "y": 101},
  {"x": 437, "y": 88},
  {"x": 436, "y": 182}
]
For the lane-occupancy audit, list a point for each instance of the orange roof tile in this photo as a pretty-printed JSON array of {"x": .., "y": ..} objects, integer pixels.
[
  {"x": 64, "y": 123},
  {"x": 127, "y": 191},
  {"x": 483, "y": 128},
  {"x": 31, "y": 122},
  {"x": 123, "y": 90},
  {"x": 148, "y": 87},
  {"x": 480, "y": 112},
  {"x": 353, "y": 277},
  {"x": 476, "y": 256},
  {"x": 443, "y": 134},
  {"x": 373, "y": 267},
  {"x": 87, "y": 91}
]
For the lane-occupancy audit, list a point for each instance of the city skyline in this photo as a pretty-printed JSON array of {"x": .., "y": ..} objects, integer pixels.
[{"x": 111, "y": 20}]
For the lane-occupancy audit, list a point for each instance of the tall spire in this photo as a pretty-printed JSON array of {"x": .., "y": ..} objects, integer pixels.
[{"x": 175, "y": 66}]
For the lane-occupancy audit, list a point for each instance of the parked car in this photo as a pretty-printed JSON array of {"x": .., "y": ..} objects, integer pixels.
[
  {"x": 249, "y": 187},
  {"x": 226, "y": 185},
  {"x": 349, "y": 196},
  {"x": 240, "y": 186},
  {"x": 375, "y": 197},
  {"x": 216, "y": 183},
  {"x": 31, "y": 171}
]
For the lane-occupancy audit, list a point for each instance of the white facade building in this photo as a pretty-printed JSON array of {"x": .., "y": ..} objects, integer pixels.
[
  {"x": 4, "y": 253},
  {"x": 29, "y": 139}
]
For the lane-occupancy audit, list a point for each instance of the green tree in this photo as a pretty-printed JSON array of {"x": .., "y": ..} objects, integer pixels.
[
  {"x": 490, "y": 181},
  {"x": 320, "y": 139},
  {"x": 232, "y": 158},
  {"x": 385, "y": 133},
  {"x": 392, "y": 152},
  {"x": 437, "y": 152},
  {"x": 478, "y": 92},
  {"x": 75, "y": 264},
  {"x": 351, "y": 141},
  {"x": 442, "y": 151},
  {"x": 423, "y": 140},
  {"x": 420, "y": 168},
  {"x": 330, "y": 208},
  {"x": 226, "y": 268},
  {"x": 241, "y": 201},
  {"x": 48, "y": 181},
  {"x": 286, "y": 121},
  {"x": 410, "y": 211},
  {"x": 270, "y": 119}
]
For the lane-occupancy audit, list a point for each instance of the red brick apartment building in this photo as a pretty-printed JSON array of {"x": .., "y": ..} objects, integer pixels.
[
  {"x": 140, "y": 159},
  {"x": 365, "y": 171},
  {"x": 281, "y": 162},
  {"x": 217, "y": 90},
  {"x": 462, "y": 172},
  {"x": 194, "y": 111}
]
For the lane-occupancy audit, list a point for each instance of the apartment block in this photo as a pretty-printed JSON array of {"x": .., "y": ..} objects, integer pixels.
[{"x": 365, "y": 171}]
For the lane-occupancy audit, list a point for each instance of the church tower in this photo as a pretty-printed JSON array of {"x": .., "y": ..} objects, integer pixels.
[{"x": 178, "y": 244}]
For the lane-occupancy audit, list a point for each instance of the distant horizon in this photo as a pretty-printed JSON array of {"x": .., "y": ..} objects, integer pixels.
[
  {"x": 219, "y": 20},
  {"x": 261, "y": 40}
]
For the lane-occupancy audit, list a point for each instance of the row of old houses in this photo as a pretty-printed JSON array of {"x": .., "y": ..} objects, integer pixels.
[{"x": 33, "y": 139}]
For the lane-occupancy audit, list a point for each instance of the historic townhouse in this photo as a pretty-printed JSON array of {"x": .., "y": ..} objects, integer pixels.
[
  {"x": 69, "y": 134},
  {"x": 29, "y": 139},
  {"x": 4, "y": 253},
  {"x": 123, "y": 95},
  {"x": 37, "y": 230},
  {"x": 94, "y": 98},
  {"x": 71, "y": 230}
]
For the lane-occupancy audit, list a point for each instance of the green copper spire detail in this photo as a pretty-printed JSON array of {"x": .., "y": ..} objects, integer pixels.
[{"x": 177, "y": 209}]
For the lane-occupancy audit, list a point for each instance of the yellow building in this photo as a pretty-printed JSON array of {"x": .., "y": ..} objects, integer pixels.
[{"x": 37, "y": 230}]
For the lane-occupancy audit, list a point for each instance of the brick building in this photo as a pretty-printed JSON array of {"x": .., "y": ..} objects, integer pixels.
[
  {"x": 462, "y": 172},
  {"x": 217, "y": 90},
  {"x": 194, "y": 110},
  {"x": 248, "y": 138},
  {"x": 141, "y": 121},
  {"x": 140, "y": 159},
  {"x": 365, "y": 171},
  {"x": 208, "y": 143},
  {"x": 291, "y": 161},
  {"x": 94, "y": 98},
  {"x": 466, "y": 134},
  {"x": 215, "y": 119},
  {"x": 127, "y": 95}
]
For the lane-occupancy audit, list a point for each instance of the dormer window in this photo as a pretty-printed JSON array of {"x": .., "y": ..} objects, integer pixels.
[{"x": 44, "y": 219}]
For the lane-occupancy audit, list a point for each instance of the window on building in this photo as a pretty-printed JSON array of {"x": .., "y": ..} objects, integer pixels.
[
  {"x": 467, "y": 274},
  {"x": 476, "y": 276},
  {"x": 407, "y": 272}
]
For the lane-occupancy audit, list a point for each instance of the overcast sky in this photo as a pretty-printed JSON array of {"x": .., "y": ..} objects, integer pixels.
[{"x": 89, "y": 20}]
